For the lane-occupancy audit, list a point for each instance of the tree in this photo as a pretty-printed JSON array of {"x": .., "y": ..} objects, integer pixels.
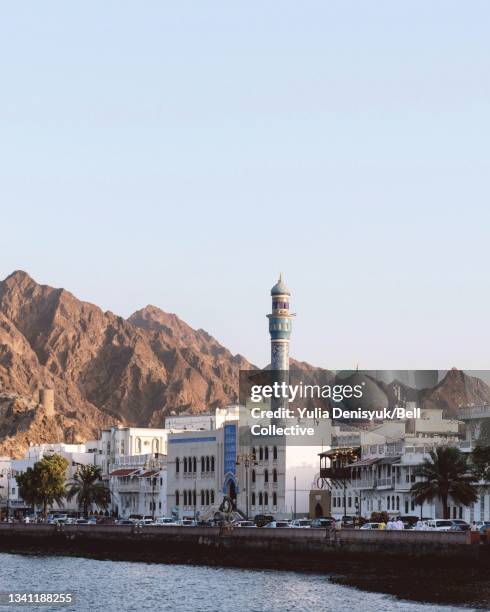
[
  {"x": 480, "y": 460},
  {"x": 446, "y": 474},
  {"x": 44, "y": 484},
  {"x": 88, "y": 488}
]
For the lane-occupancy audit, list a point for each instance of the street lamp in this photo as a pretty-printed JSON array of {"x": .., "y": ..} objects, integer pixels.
[{"x": 248, "y": 459}]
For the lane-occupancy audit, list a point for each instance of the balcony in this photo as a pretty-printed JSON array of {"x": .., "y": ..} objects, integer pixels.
[{"x": 335, "y": 473}]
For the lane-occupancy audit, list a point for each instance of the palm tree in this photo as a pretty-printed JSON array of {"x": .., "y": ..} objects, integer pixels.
[
  {"x": 446, "y": 474},
  {"x": 88, "y": 488}
]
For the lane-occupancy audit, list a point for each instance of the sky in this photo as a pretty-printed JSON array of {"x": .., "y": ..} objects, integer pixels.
[{"x": 184, "y": 153}]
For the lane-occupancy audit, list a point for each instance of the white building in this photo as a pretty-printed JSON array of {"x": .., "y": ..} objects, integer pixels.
[{"x": 388, "y": 456}]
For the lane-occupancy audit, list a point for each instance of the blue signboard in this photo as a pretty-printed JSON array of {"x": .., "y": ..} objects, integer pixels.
[{"x": 229, "y": 464}]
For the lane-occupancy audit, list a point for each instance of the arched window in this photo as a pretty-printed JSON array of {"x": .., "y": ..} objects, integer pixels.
[
  {"x": 261, "y": 453},
  {"x": 274, "y": 453},
  {"x": 274, "y": 499},
  {"x": 194, "y": 500},
  {"x": 260, "y": 498},
  {"x": 207, "y": 464},
  {"x": 207, "y": 497},
  {"x": 397, "y": 503},
  {"x": 177, "y": 498},
  {"x": 212, "y": 496},
  {"x": 274, "y": 475},
  {"x": 212, "y": 463},
  {"x": 177, "y": 465},
  {"x": 266, "y": 453},
  {"x": 266, "y": 499},
  {"x": 266, "y": 475},
  {"x": 202, "y": 465},
  {"x": 202, "y": 497},
  {"x": 185, "y": 497},
  {"x": 253, "y": 498},
  {"x": 194, "y": 465},
  {"x": 388, "y": 505},
  {"x": 138, "y": 445},
  {"x": 253, "y": 475}
]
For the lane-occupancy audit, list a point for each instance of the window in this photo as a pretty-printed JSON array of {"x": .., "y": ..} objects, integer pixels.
[
  {"x": 161, "y": 482},
  {"x": 177, "y": 465},
  {"x": 349, "y": 502},
  {"x": 185, "y": 465},
  {"x": 212, "y": 463},
  {"x": 260, "y": 498},
  {"x": 202, "y": 497},
  {"x": 185, "y": 497},
  {"x": 274, "y": 499},
  {"x": 266, "y": 453},
  {"x": 266, "y": 499},
  {"x": 138, "y": 445},
  {"x": 388, "y": 503},
  {"x": 274, "y": 475},
  {"x": 397, "y": 503},
  {"x": 253, "y": 452},
  {"x": 207, "y": 464},
  {"x": 253, "y": 475},
  {"x": 202, "y": 464},
  {"x": 207, "y": 497},
  {"x": 212, "y": 496},
  {"x": 194, "y": 465},
  {"x": 266, "y": 475},
  {"x": 261, "y": 453},
  {"x": 274, "y": 452},
  {"x": 156, "y": 445},
  {"x": 253, "y": 498}
]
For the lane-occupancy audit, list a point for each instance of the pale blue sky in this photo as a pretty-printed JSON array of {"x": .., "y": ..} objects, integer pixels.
[{"x": 183, "y": 153}]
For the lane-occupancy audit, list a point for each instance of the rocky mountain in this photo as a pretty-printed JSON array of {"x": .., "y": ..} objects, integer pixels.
[
  {"x": 455, "y": 390},
  {"x": 105, "y": 369}
]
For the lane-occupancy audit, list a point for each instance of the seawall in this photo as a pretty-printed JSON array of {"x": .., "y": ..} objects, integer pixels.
[{"x": 312, "y": 549}]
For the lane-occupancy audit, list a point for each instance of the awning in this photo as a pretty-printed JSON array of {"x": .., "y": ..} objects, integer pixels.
[
  {"x": 126, "y": 472},
  {"x": 363, "y": 463},
  {"x": 390, "y": 460},
  {"x": 149, "y": 474}
]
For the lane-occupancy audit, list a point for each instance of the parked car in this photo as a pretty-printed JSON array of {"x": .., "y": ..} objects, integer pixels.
[
  {"x": 322, "y": 523},
  {"x": 348, "y": 521},
  {"x": 438, "y": 525},
  {"x": 82, "y": 521},
  {"x": 409, "y": 521},
  {"x": 371, "y": 526},
  {"x": 245, "y": 524},
  {"x": 462, "y": 525},
  {"x": 187, "y": 523},
  {"x": 145, "y": 522},
  {"x": 163, "y": 521},
  {"x": 301, "y": 523},
  {"x": 262, "y": 519},
  {"x": 483, "y": 525},
  {"x": 277, "y": 525}
]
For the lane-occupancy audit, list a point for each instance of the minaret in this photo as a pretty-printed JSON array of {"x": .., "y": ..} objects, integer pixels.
[{"x": 280, "y": 325}]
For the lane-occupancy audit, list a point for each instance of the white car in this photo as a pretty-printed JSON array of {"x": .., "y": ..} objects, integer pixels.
[
  {"x": 371, "y": 526},
  {"x": 278, "y": 525},
  {"x": 301, "y": 524},
  {"x": 438, "y": 525},
  {"x": 166, "y": 522},
  {"x": 245, "y": 524}
]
